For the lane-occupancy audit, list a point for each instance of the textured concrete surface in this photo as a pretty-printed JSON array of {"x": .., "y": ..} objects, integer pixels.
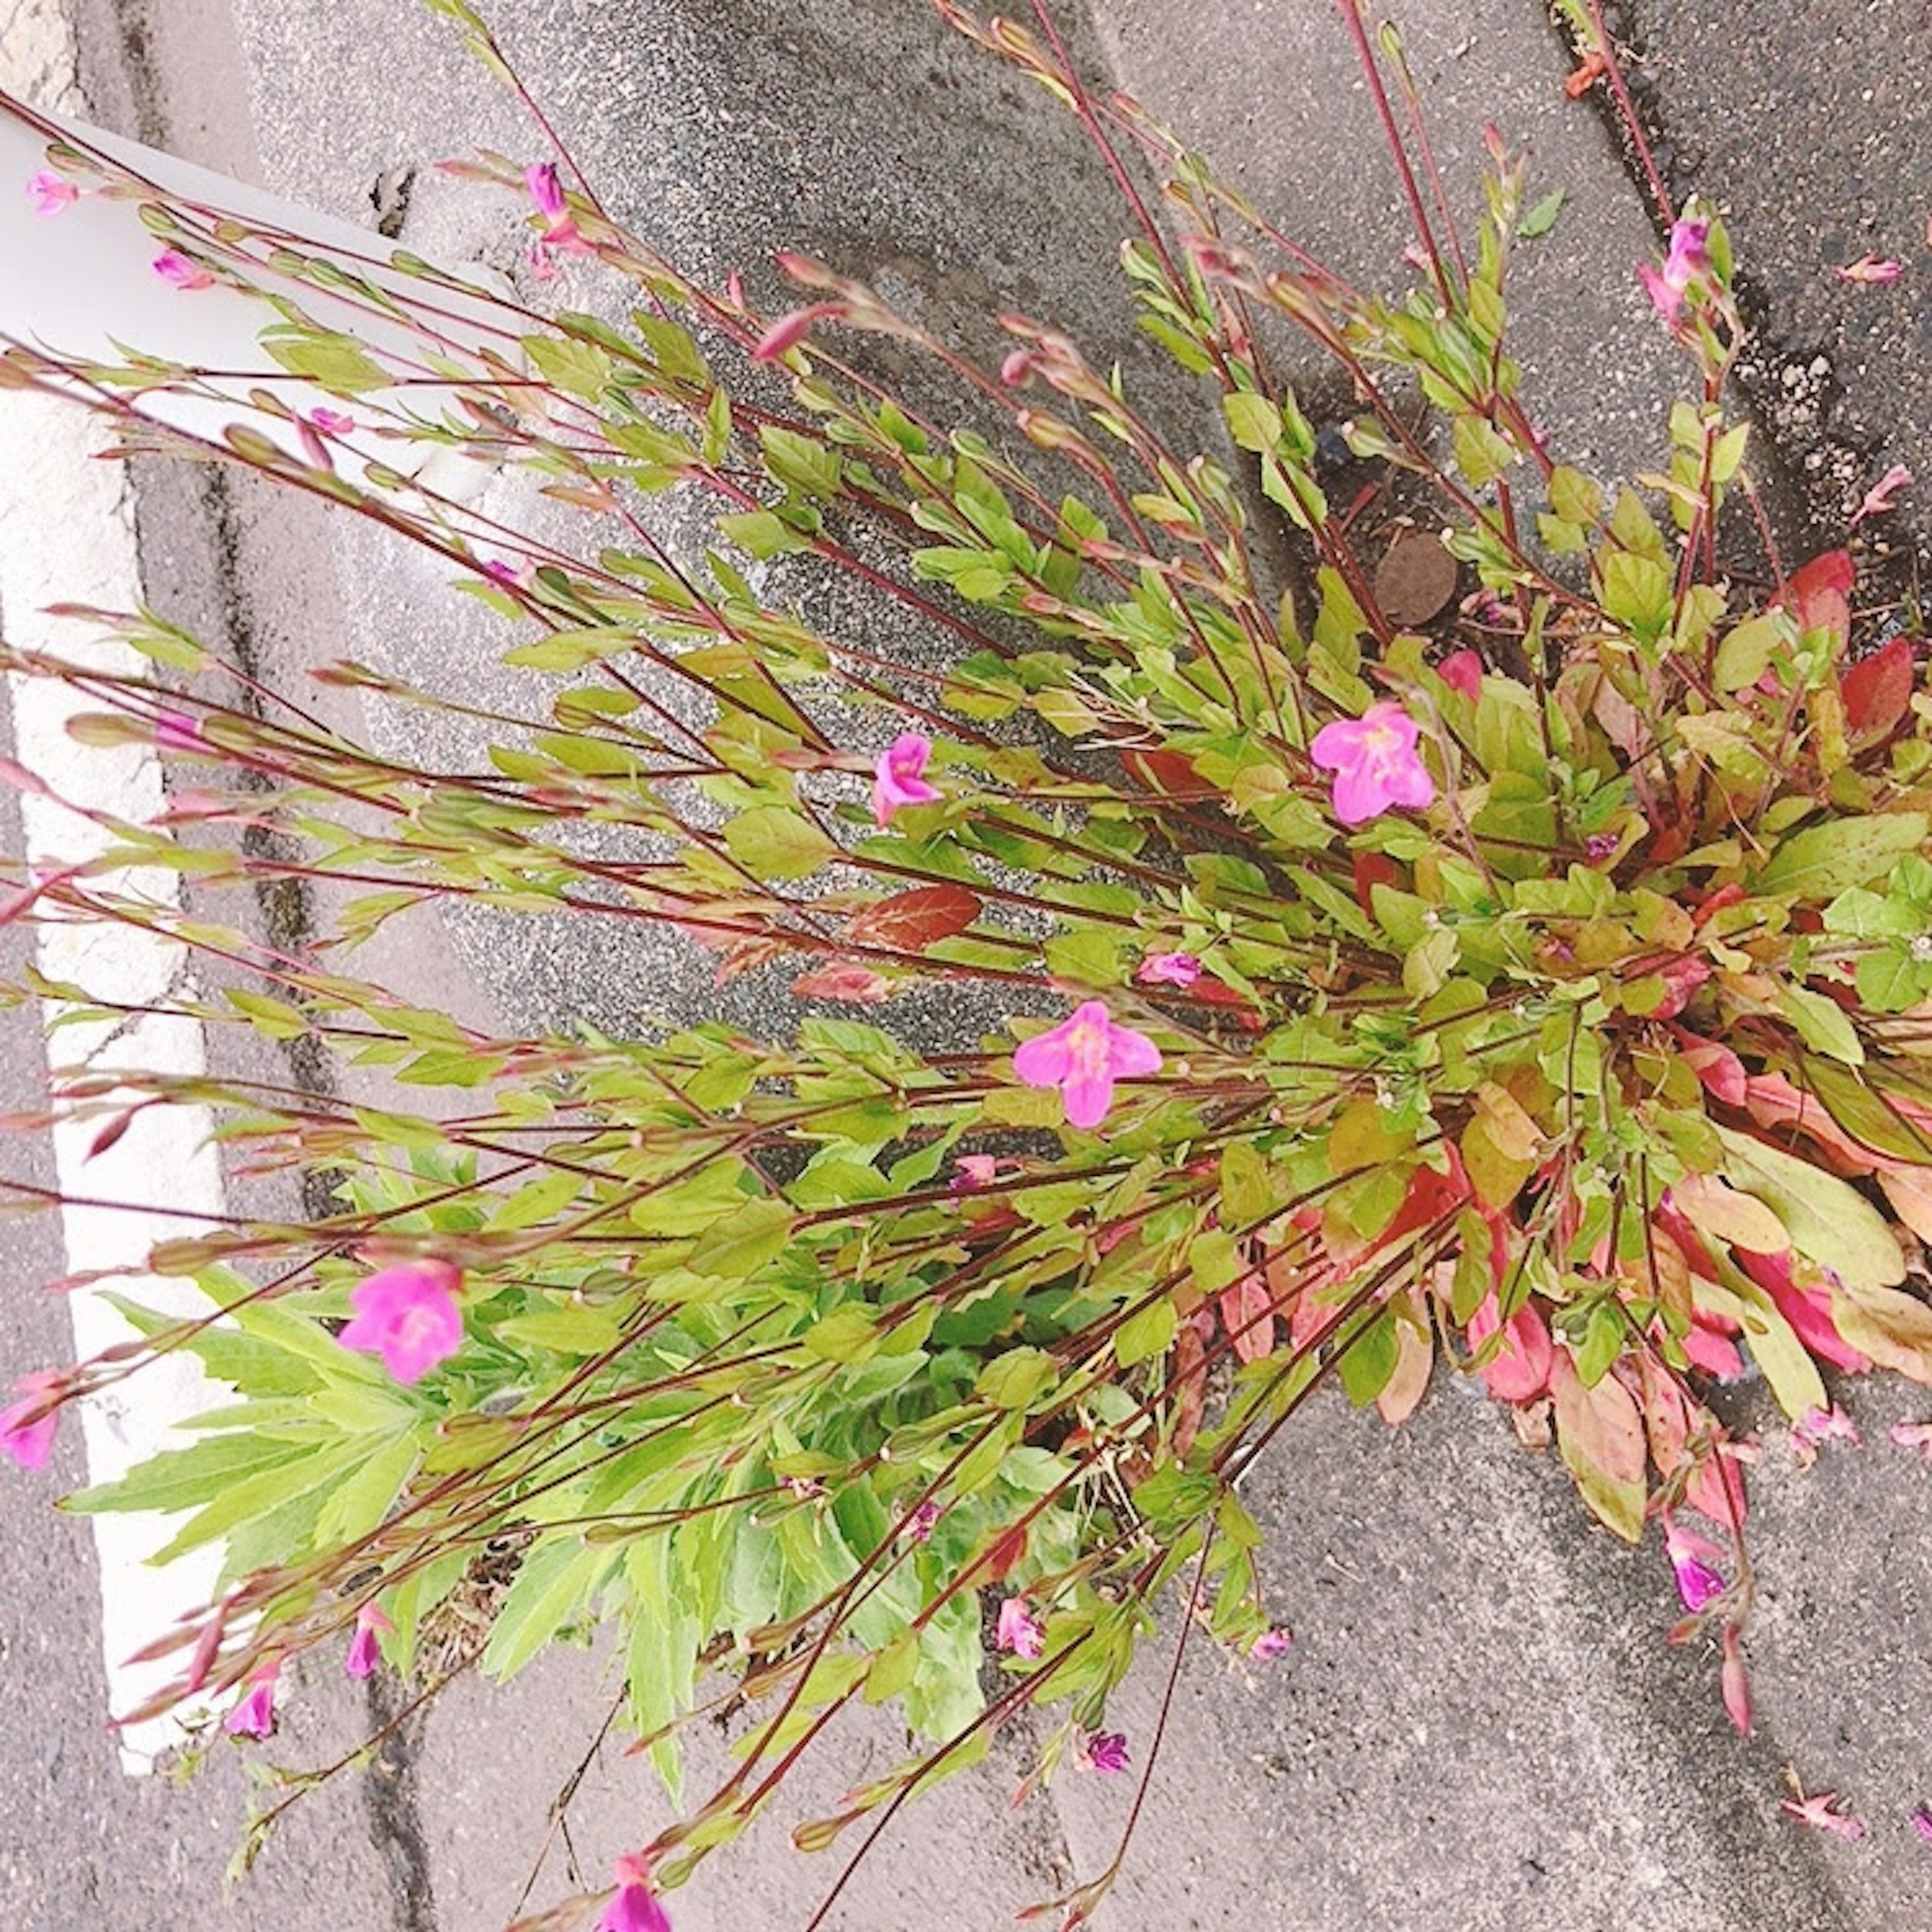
[
  {"x": 1479, "y": 1726},
  {"x": 1809, "y": 125}
]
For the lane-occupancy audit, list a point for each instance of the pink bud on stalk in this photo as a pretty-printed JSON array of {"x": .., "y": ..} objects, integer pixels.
[
  {"x": 364, "y": 1648},
  {"x": 27, "y": 1426},
  {"x": 254, "y": 1716},
  {"x": 898, "y": 778},
  {"x": 1105, "y": 1752},
  {"x": 1685, "y": 263},
  {"x": 50, "y": 192},
  {"x": 175, "y": 268}
]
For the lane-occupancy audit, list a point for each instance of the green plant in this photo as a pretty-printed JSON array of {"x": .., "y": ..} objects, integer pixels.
[{"x": 1541, "y": 994}]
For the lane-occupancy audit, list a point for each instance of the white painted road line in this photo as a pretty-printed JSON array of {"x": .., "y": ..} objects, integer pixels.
[{"x": 67, "y": 533}]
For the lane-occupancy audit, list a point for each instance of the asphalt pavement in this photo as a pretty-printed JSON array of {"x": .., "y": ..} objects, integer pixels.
[{"x": 1479, "y": 1726}]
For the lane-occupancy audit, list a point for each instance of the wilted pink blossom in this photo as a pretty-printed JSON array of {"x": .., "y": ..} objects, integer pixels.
[
  {"x": 29, "y": 1437},
  {"x": 844, "y": 980},
  {"x": 364, "y": 1648},
  {"x": 920, "y": 1525},
  {"x": 898, "y": 778},
  {"x": 1685, "y": 261},
  {"x": 1882, "y": 495},
  {"x": 50, "y": 192},
  {"x": 173, "y": 267},
  {"x": 981, "y": 1170},
  {"x": 1921, "y": 1822},
  {"x": 1816, "y": 1427},
  {"x": 1168, "y": 969},
  {"x": 1374, "y": 762},
  {"x": 1913, "y": 1435},
  {"x": 561, "y": 235},
  {"x": 331, "y": 422},
  {"x": 1018, "y": 1630},
  {"x": 1600, "y": 844},
  {"x": 512, "y": 576},
  {"x": 636, "y": 1906},
  {"x": 1083, "y": 1057},
  {"x": 1017, "y": 367},
  {"x": 1271, "y": 1644},
  {"x": 1692, "y": 1557},
  {"x": 407, "y": 1314},
  {"x": 254, "y": 1715},
  {"x": 1874, "y": 270},
  {"x": 1105, "y": 1751},
  {"x": 1821, "y": 1810}
]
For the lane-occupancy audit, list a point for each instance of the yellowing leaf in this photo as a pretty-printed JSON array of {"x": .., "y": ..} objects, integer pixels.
[
  {"x": 1775, "y": 1348},
  {"x": 1894, "y": 1329},
  {"x": 1600, "y": 1436},
  {"x": 1739, "y": 1220},
  {"x": 1828, "y": 1219}
]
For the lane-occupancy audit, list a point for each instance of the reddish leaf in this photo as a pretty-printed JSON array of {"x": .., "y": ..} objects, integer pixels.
[
  {"x": 1818, "y": 594},
  {"x": 1877, "y": 689},
  {"x": 846, "y": 981},
  {"x": 1373, "y": 869},
  {"x": 1168, "y": 771},
  {"x": 911, "y": 922},
  {"x": 1248, "y": 1320}
]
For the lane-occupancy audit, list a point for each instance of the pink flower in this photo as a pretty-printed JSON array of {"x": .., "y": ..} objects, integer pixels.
[
  {"x": 1105, "y": 1751},
  {"x": 508, "y": 575},
  {"x": 25, "y": 1435},
  {"x": 1685, "y": 262},
  {"x": 1018, "y": 1630},
  {"x": 172, "y": 266},
  {"x": 363, "y": 1648},
  {"x": 789, "y": 330},
  {"x": 1823, "y": 1813},
  {"x": 331, "y": 422},
  {"x": 1168, "y": 969},
  {"x": 50, "y": 192},
  {"x": 899, "y": 779},
  {"x": 254, "y": 1716},
  {"x": 1271, "y": 1644},
  {"x": 1083, "y": 1057},
  {"x": 1921, "y": 1822},
  {"x": 636, "y": 1907},
  {"x": 1692, "y": 1557},
  {"x": 407, "y": 1314},
  {"x": 920, "y": 1525},
  {"x": 1017, "y": 367},
  {"x": 1882, "y": 495},
  {"x": 1374, "y": 760},
  {"x": 561, "y": 233}
]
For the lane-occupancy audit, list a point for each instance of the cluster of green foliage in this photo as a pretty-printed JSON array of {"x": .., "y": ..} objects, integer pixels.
[{"x": 1600, "y": 1073}]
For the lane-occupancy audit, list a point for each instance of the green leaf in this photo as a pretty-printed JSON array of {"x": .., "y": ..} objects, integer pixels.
[
  {"x": 1542, "y": 218},
  {"x": 1823, "y": 860},
  {"x": 1146, "y": 1334},
  {"x": 1774, "y": 1346},
  {"x": 1013, "y": 1380},
  {"x": 1822, "y": 1023},
  {"x": 551, "y": 1590},
  {"x": 772, "y": 841},
  {"x": 1745, "y": 655},
  {"x": 747, "y": 1240},
  {"x": 1367, "y": 1365},
  {"x": 1828, "y": 1219}
]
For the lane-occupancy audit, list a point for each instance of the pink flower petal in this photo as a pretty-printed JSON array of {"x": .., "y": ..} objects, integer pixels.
[
  {"x": 50, "y": 192},
  {"x": 29, "y": 1444},
  {"x": 407, "y": 1314}
]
